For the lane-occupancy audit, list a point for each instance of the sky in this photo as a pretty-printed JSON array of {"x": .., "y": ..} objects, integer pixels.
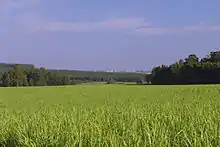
[{"x": 107, "y": 34}]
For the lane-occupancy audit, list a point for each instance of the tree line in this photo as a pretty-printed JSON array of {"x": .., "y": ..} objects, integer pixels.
[
  {"x": 22, "y": 75},
  {"x": 18, "y": 76},
  {"x": 191, "y": 70}
]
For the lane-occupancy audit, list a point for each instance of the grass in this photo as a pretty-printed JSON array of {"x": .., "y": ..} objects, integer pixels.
[{"x": 110, "y": 115}]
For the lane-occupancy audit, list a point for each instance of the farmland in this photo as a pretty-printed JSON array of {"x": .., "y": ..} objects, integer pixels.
[{"x": 110, "y": 115}]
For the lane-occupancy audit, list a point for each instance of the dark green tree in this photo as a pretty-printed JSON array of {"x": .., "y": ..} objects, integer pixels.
[{"x": 6, "y": 81}]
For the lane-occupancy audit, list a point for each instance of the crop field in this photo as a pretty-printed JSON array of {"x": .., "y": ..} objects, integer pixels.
[{"x": 110, "y": 115}]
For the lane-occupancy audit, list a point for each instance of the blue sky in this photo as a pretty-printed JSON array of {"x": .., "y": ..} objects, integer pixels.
[{"x": 106, "y": 34}]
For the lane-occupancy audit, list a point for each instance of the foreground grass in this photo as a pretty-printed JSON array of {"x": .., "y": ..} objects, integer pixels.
[{"x": 111, "y": 116}]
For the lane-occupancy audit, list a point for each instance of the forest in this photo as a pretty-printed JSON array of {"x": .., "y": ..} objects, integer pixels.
[
  {"x": 191, "y": 70},
  {"x": 28, "y": 75}
]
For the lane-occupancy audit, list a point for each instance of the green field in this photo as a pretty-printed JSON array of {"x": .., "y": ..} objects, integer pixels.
[{"x": 110, "y": 115}]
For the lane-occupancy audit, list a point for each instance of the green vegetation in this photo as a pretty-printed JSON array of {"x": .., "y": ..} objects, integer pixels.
[
  {"x": 7, "y": 67},
  {"x": 106, "y": 114},
  {"x": 110, "y": 115},
  {"x": 27, "y": 75},
  {"x": 192, "y": 70}
]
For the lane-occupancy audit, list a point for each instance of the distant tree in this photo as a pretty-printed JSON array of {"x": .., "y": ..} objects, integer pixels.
[
  {"x": 17, "y": 75},
  {"x": 43, "y": 77},
  {"x": 6, "y": 81},
  {"x": 66, "y": 80},
  {"x": 215, "y": 56},
  {"x": 192, "y": 60},
  {"x": 102, "y": 79},
  {"x": 1, "y": 75},
  {"x": 31, "y": 82},
  {"x": 111, "y": 81},
  {"x": 148, "y": 78},
  {"x": 52, "y": 79}
]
